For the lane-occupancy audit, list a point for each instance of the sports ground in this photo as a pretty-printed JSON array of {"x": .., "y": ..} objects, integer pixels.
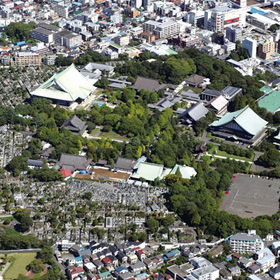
[{"x": 250, "y": 197}]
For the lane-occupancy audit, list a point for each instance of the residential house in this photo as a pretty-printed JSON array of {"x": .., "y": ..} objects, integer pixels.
[
  {"x": 108, "y": 263},
  {"x": 265, "y": 259},
  {"x": 244, "y": 262},
  {"x": 132, "y": 258},
  {"x": 137, "y": 267},
  {"x": 141, "y": 255},
  {"x": 180, "y": 272},
  {"x": 275, "y": 272},
  {"x": 235, "y": 270},
  {"x": 126, "y": 276},
  {"x": 122, "y": 257},
  {"x": 105, "y": 275},
  {"x": 275, "y": 247},
  {"x": 225, "y": 274},
  {"x": 120, "y": 270},
  {"x": 172, "y": 255},
  {"x": 79, "y": 261},
  {"x": 253, "y": 277},
  {"x": 75, "y": 125},
  {"x": 254, "y": 268},
  {"x": 98, "y": 264},
  {"x": 73, "y": 272},
  {"x": 217, "y": 251},
  {"x": 89, "y": 266},
  {"x": 154, "y": 262},
  {"x": 114, "y": 260}
]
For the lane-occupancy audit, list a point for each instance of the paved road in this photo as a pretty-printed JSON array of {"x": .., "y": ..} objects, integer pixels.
[
  {"x": 222, "y": 157},
  {"x": 20, "y": 251}
]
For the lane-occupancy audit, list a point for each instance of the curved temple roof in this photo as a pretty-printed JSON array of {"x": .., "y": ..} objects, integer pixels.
[{"x": 68, "y": 85}]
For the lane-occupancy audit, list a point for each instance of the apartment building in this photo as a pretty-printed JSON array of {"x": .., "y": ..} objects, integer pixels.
[
  {"x": 26, "y": 59},
  {"x": 245, "y": 243},
  {"x": 167, "y": 29},
  {"x": 49, "y": 27},
  {"x": 150, "y": 25},
  {"x": 234, "y": 33},
  {"x": 122, "y": 40},
  {"x": 62, "y": 10},
  {"x": 265, "y": 259},
  {"x": 42, "y": 35},
  {"x": 266, "y": 49},
  {"x": 68, "y": 39}
]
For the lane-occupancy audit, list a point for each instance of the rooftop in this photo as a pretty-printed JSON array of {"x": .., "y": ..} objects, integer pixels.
[
  {"x": 68, "y": 85},
  {"x": 246, "y": 118}
]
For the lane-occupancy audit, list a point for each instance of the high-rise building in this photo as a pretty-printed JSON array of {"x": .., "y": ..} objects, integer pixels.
[
  {"x": 245, "y": 243},
  {"x": 219, "y": 18},
  {"x": 240, "y": 3},
  {"x": 266, "y": 49},
  {"x": 233, "y": 33},
  {"x": 250, "y": 45}
]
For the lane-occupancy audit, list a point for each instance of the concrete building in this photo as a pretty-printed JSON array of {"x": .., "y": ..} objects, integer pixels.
[
  {"x": 266, "y": 49},
  {"x": 196, "y": 17},
  {"x": 42, "y": 35},
  {"x": 240, "y": 3},
  {"x": 167, "y": 29},
  {"x": 219, "y": 18},
  {"x": 49, "y": 27},
  {"x": 250, "y": 45},
  {"x": 26, "y": 59},
  {"x": 122, "y": 40},
  {"x": 245, "y": 243},
  {"x": 68, "y": 39},
  {"x": 62, "y": 10},
  {"x": 233, "y": 33}
]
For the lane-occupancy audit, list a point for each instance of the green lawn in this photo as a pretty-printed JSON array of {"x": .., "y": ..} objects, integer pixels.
[
  {"x": 9, "y": 230},
  {"x": 113, "y": 135},
  {"x": 225, "y": 154},
  {"x": 94, "y": 132},
  {"x": 18, "y": 266}
]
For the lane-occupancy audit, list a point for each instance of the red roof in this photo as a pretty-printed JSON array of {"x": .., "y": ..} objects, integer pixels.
[
  {"x": 76, "y": 270},
  {"x": 136, "y": 249},
  {"x": 106, "y": 260},
  {"x": 96, "y": 276},
  {"x": 236, "y": 255},
  {"x": 140, "y": 252},
  {"x": 65, "y": 172},
  {"x": 169, "y": 277}
]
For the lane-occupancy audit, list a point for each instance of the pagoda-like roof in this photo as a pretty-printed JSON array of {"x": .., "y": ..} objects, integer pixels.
[
  {"x": 68, "y": 85},
  {"x": 246, "y": 118}
]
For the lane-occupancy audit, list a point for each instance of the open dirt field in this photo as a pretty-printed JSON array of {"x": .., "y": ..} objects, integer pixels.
[
  {"x": 252, "y": 197},
  {"x": 103, "y": 174}
]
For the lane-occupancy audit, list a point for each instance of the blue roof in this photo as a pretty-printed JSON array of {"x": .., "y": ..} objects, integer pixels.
[
  {"x": 78, "y": 259},
  {"x": 256, "y": 11},
  {"x": 172, "y": 253},
  {"x": 121, "y": 268},
  {"x": 142, "y": 274}
]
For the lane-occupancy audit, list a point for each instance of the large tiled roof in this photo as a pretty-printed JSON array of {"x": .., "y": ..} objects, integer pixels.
[
  {"x": 68, "y": 85},
  {"x": 218, "y": 103},
  {"x": 150, "y": 171},
  {"x": 246, "y": 118},
  {"x": 197, "y": 111}
]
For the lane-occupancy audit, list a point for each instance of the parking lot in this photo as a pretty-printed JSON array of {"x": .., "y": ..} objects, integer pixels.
[{"x": 250, "y": 197}]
